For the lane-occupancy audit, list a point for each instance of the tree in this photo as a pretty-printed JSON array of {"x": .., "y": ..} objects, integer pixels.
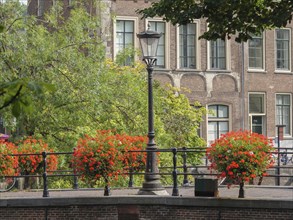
[
  {"x": 48, "y": 70},
  {"x": 15, "y": 92},
  {"x": 123, "y": 107},
  {"x": 90, "y": 92},
  {"x": 242, "y": 18}
]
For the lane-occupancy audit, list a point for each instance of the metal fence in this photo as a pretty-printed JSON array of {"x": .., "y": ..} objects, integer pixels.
[{"x": 174, "y": 171}]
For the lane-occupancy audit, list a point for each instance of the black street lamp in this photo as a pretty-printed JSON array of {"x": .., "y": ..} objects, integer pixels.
[{"x": 149, "y": 41}]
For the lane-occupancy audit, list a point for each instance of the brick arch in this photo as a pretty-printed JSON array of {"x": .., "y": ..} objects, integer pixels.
[
  {"x": 164, "y": 79},
  {"x": 194, "y": 82},
  {"x": 224, "y": 83}
]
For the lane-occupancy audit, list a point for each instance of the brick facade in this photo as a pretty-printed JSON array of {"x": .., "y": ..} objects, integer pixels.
[
  {"x": 157, "y": 208},
  {"x": 229, "y": 87},
  {"x": 224, "y": 87}
]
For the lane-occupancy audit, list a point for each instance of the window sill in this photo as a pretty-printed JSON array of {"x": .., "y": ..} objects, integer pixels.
[
  {"x": 187, "y": 70},
  {"x": 283, "y": 72},
  {"x": 257, "y": 71},
  {"x": 218, "y": 71}
]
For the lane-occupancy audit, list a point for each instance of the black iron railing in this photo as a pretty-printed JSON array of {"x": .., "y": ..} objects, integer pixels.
[{"x": 172, "y": 171}]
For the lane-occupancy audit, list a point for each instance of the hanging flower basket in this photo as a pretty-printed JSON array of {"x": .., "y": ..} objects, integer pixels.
[
  {"x": 8, "y": 163},
  {"x": 241, "y": 156},
  {"x": 33, "y": 164},
  {"x": 104, "y": 156}
]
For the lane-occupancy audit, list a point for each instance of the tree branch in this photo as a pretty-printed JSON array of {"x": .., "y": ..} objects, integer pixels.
[{"x": 12, "y": 99}]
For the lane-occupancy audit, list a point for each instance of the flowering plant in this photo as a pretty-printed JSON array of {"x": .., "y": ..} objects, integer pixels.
[
  {"x": 105, "y": 155},
  {"x": 32, "y": 164},
  {"x": 241, "y": 156},
  {"x": 132, "y": 147},
  {"x": 8, "y": 163}
]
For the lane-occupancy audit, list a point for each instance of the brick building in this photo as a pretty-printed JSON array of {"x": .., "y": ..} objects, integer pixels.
[{"x": 248, "y": 85}]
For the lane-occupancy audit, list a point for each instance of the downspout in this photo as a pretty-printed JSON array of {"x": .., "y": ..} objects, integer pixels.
[{"x": 242, "y": 124}]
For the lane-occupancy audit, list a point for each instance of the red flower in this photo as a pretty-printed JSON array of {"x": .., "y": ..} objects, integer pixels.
[
  {"x": 8, "y": 164},
  {"x": 105, "y": 155},
  {"x": 247, "y": 155},
  {"x": 32, "y": 164}
]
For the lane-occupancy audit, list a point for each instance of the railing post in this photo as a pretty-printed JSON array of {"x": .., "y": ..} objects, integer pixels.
[
  {"x": 75, "y": 178},
  {"x": 184, "y": 156},
  {"x": 175, "y": 187},
  {"x": 130, "y": 183},
  {"x": 107, "y": 188},
  {"x": 45, "y": 191}
]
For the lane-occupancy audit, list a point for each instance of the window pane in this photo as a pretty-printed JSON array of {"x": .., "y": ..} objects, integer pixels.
[
  {"x": 255, "y": 46},
  {"x": 129, "y": 26},
  {"x": 119, "y": 26},
  {"x": 124, "y": 39},
  {"x": 282, "y": 49},
  {"x": 217, "y": 54},
  {"x": 212, "y": 131},
  {"x": 218, "y": 122},
  {"x": 223, "y": 111},
  {"x": 187, "y": 39},
  {"x": 223, "y": 128},
  {"x": 256, "y": 103},
  {"x": 160, "y": 26},
  {"x": 257, "y": 124},
  {"x": 213, "y": 110},
  {"x": 283, "y": 113}
]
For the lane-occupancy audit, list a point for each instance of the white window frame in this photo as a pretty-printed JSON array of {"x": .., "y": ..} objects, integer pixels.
[
  {"x": 228, "y": 119},
  {"x": 135, "y": 31},
  {"x": 167, "y": 40},
  {"x": 263, "y": 56},
  {"x": 290, "y": 111},
  {"x": 263, "y": 114},
  {"x": 290, "y": 52},
  {"x": 228, "y": 57},
  {"x": 197, "y": 47}
]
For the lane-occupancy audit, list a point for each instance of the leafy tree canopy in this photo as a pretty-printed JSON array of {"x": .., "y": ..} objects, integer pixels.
[
  {"x": 242, "y": 18},
  {"x": 89, "y": 93}
]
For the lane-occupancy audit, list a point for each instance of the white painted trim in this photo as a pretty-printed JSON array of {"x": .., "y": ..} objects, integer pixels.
[
  {"x": 197, "y": 47},
  {"x": 135, "y": 31},
  {"x": 290, "y": 52},
  {"x": 167, "y": 39}
]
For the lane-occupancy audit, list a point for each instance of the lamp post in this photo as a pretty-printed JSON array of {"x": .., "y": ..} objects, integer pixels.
[{"x": 149, "y": 41}]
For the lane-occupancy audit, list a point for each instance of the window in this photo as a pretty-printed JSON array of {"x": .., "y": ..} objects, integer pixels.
[
  {"x": 160, "y": 27},
  {"x": 124, "y": 42},
  {"x": 218, "y": 121},
  {"x": 41, "y": 7},
  {"x": 257, "y": 112},
  {"x": 282, "y": 49},
  {"x": 218, "y": 54},
  {"x": 283, "y": 109},
  {"x": 187, "y": 46},
  {"x": 255, "y": 47}
]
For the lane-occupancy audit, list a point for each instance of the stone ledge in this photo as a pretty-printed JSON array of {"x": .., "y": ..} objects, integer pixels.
[{"x": 149, "y": 200}]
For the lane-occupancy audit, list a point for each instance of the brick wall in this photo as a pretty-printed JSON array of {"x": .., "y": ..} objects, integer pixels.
[
  {"x": 143, "y": 212},
  {"x": 133, "y": 207}
]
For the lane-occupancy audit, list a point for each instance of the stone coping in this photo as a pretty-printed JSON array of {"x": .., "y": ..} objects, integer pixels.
[
  {"x": 255, "y": 197},
  {"x": 148, "y": 200}
]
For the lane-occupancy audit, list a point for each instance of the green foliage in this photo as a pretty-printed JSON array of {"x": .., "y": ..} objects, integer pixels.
[
  {"x": 180, "y": 119},
  {"x": 47, "y": 76},
  {"x": 68, "y": 88},
  {"x": 225, "y": 17}
]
